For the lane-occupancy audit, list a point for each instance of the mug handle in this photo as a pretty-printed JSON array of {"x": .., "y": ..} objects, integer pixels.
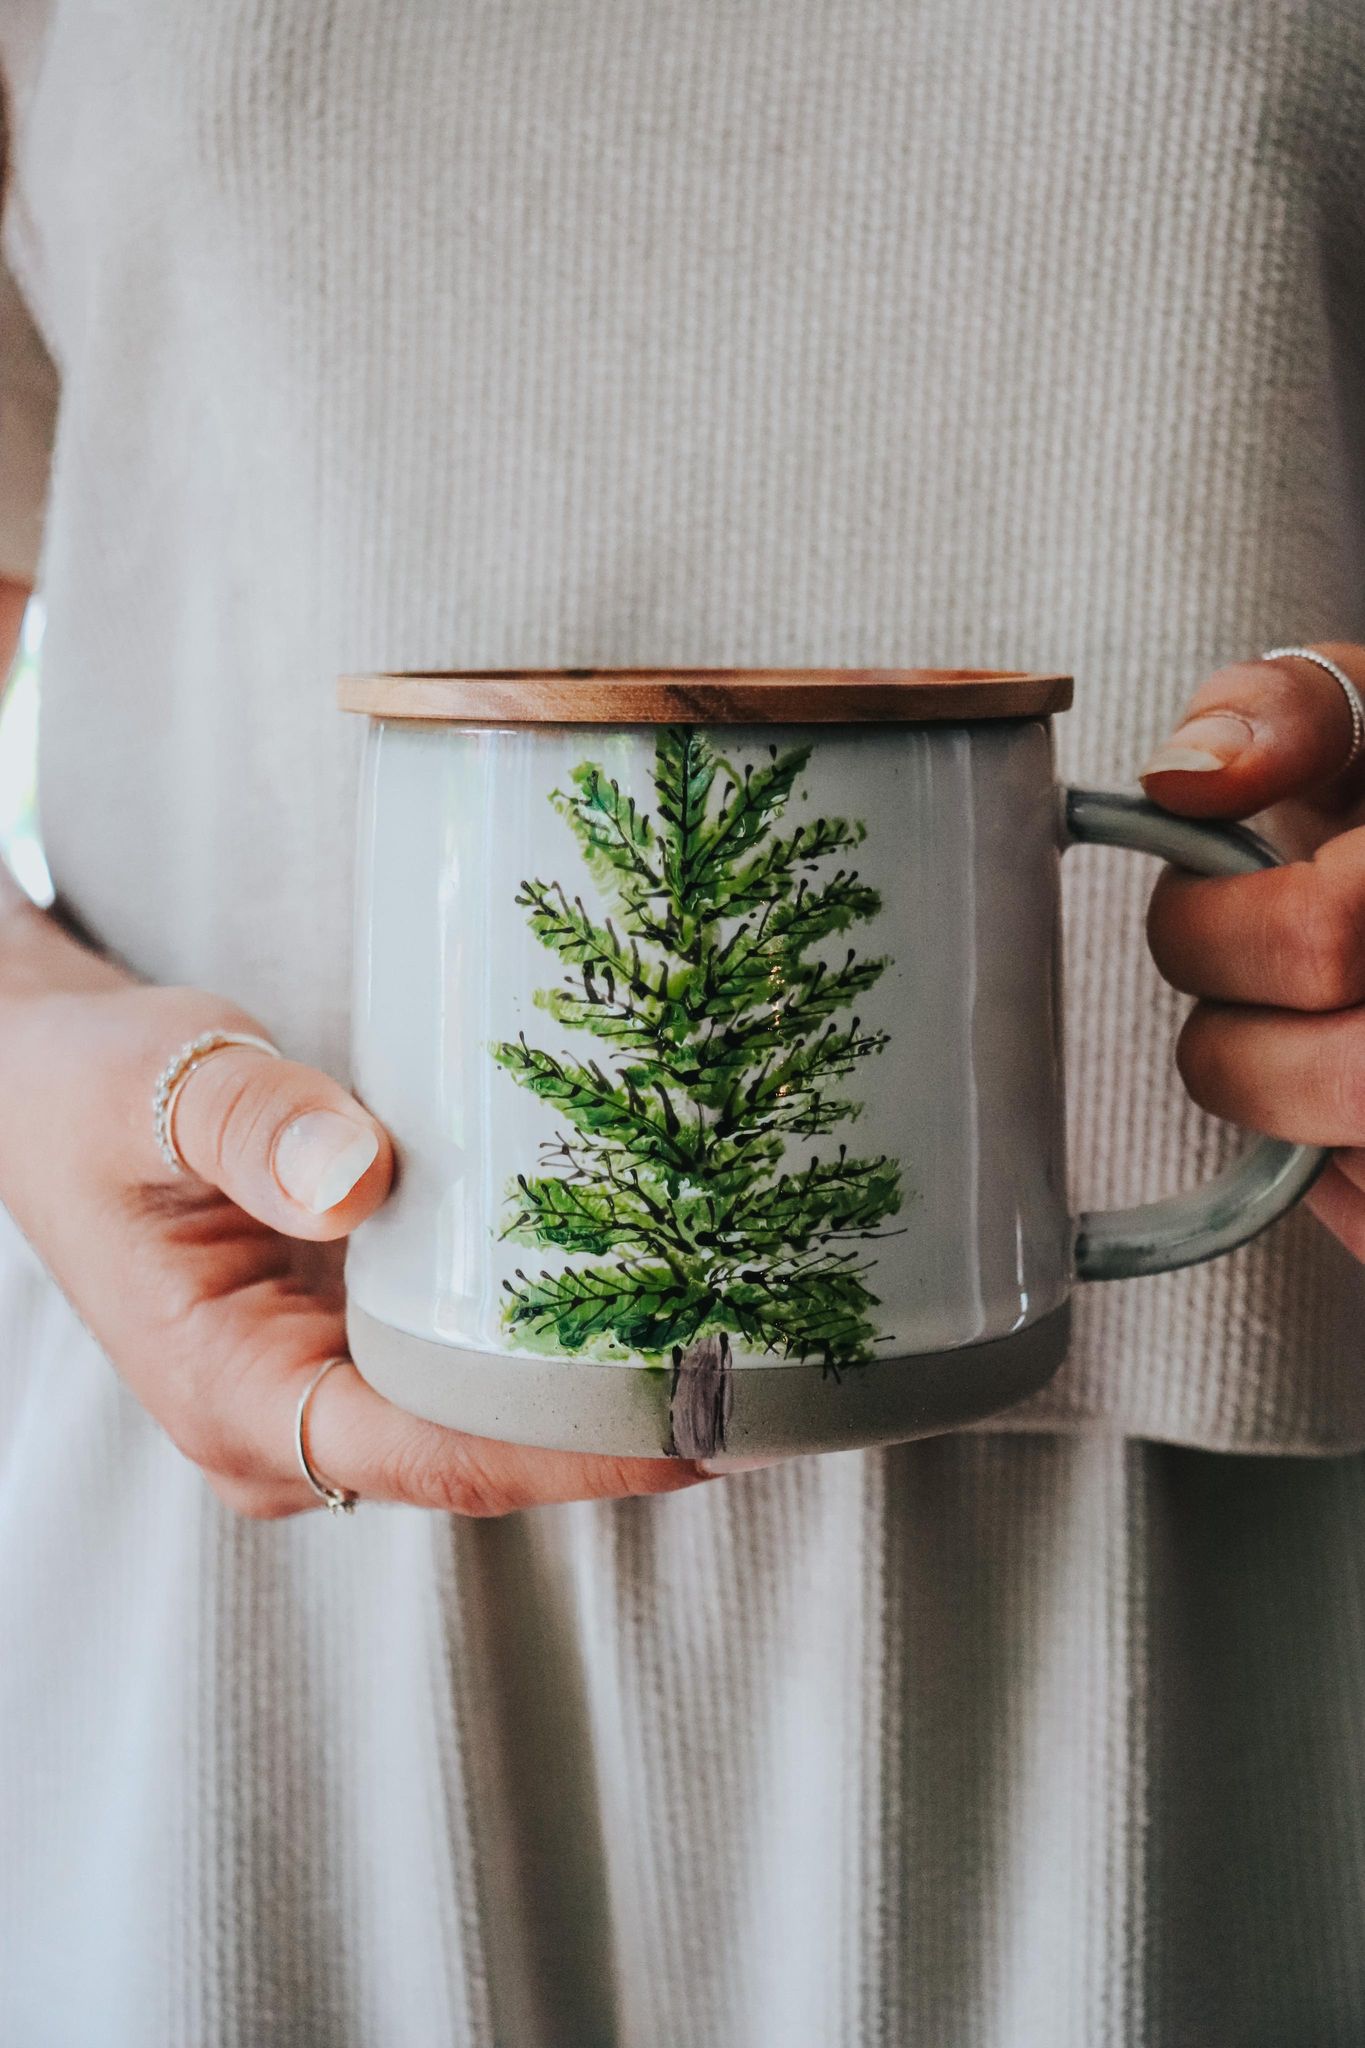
[{"x": 1271, "y": 1175}]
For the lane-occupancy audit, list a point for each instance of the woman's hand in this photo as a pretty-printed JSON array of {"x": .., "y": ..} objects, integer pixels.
[
  {"x": 1277, "y": 958},
  {"x": 218, "y": 1294},
  {"x": 193, "y": 1285}
]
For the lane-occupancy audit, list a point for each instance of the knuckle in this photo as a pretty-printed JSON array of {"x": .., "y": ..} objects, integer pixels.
[
  {"x": 1341, "y": 1084},
  {"x": 470, "y": 1494},
  {"x": 447, "y": 1477},
  {"x": 1320, "y": 944},
  {"x": 473, "y": 1500},
  {"x": 246, "y": 1111}
]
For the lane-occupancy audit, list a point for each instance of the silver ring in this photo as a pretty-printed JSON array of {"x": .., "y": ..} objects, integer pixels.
[
  {"x": 338, "y": 1500},
  {"x": 1338, "y": 675},
  {"x": 176, "y": 1073}
]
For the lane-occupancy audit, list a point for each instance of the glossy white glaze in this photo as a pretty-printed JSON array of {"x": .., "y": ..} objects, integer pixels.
[{"x": 962, "y": 846}]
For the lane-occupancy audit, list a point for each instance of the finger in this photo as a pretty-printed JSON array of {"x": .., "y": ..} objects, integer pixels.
[
  {"x": 1295, "y": 1077},
  {"x": 360, "y": 1442},
  {"x": 283, "y": 1141},
  {"x": 1337, "y": 1199},
  {"x": 382, "y": 1453},
  {"x": 1256, "y": 733},
  {"x": 1292, "y": 936}
]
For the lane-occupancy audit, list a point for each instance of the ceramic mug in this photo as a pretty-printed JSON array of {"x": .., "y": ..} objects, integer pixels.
[{"x": 715, "y": 1016}]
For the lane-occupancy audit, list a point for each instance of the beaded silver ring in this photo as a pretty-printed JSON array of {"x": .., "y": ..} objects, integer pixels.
[
  {"x": 176, "y": 1073},
  {"x": 1340, "y": 677}
]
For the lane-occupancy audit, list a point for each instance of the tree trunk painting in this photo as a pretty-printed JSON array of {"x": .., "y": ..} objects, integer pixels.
[
  {"x": 680, "y": 1170},
  {"x": 699, "y": 1398}
]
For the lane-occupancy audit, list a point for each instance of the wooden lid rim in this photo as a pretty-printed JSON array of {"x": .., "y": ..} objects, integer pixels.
[{"x": 705, "y": 696}]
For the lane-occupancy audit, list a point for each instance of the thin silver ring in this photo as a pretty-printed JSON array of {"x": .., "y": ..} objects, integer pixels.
[
  {"x": 1338, "y": 675},
  {"x": 176, "y": 1073},
  {"x": 338, "y": 1500}
]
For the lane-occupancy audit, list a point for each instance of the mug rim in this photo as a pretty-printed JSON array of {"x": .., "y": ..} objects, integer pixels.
[{"x": 710, "y": 696}]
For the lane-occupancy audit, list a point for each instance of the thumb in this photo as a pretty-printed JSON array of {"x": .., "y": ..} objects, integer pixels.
[
  {"x": 283, "y": 1141},
  {"x": 1256, "y": 733}
]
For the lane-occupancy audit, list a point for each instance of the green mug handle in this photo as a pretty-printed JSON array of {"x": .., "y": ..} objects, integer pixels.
[{"x": 1271, "y": 1175}]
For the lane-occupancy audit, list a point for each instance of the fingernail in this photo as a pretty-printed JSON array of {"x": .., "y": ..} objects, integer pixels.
[
  {"x": 1201, "y": 746},
  {"x": 320, "y": 1157},
  {"x": 718, "y": 1467}
]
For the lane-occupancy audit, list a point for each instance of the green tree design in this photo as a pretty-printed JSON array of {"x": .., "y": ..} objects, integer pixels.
[{"x": 723, "y": 1031}]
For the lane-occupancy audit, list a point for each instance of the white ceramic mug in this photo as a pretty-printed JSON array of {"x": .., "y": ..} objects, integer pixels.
[{"x": 715, "y": 1017}]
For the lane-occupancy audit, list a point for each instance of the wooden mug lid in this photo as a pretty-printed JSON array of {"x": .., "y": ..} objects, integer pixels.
[{"x": 706, "y": 696}]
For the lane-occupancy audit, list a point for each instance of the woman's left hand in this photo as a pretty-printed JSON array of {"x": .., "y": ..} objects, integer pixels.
[{"x": 1277, "y": 958}]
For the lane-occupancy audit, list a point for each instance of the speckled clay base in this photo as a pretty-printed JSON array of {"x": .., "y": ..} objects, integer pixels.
[{"x": 562, "y": 1404}]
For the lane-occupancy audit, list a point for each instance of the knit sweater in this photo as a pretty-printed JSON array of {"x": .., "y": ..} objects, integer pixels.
[{"x": 971, "y": 333}]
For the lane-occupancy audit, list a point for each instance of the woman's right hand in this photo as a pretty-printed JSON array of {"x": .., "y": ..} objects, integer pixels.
[{"x": 192, "y": 1284}]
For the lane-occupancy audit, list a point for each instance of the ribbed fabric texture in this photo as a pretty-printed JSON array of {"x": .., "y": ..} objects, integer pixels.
[
  {"x": 611, "y": 334},
  {"x": 972, "y": 1744},
  {"x": 619, "y": 333}
]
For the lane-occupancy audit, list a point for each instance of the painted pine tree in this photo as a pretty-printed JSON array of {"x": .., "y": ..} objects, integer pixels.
[{"x": 724, "y": 1026}]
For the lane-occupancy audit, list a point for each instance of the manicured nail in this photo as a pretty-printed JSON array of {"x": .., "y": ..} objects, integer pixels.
[
  {"x": 1202, "y": 746},
  {"x": 320, "y": 1157},
  {"x": 718, "y": 1467}
]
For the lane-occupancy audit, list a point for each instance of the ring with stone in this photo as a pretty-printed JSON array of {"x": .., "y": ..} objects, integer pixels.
[{"x": 338, "y": 1500}]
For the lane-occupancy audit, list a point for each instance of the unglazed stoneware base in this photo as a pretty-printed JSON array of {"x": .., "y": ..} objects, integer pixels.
[{"x": 622, "y": 1411}]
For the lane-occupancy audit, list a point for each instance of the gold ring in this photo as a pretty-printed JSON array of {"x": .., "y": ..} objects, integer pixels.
[{"x": 176, "y": 1073}]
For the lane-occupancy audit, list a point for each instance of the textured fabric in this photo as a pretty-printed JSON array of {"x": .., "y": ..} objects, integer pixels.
[
  {"x": 973, "y": 332},
  {"x": 614, "y": 334},
  {"x": 1006, "y": 1743}
]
